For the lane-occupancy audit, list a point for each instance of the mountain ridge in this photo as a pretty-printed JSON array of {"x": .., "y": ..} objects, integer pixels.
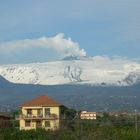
[{"x": 92, "y": 71}]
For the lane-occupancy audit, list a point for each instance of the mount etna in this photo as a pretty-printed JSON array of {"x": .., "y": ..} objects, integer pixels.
[{"x": 98, "y": 83}]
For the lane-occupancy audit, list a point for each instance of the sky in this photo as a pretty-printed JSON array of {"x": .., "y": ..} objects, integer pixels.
[{"x": 44, "y": 30}]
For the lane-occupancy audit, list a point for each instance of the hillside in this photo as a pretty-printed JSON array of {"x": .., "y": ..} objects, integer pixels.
[{"x": 81, "y": 97}]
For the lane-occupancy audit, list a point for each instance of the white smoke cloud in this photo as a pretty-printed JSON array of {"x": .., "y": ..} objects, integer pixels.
[{"x": 58, "y": 43}]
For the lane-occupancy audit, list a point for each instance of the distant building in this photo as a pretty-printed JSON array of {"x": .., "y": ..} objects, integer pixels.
[
  {"x": 121, "y": 113},
  {"x": 41, "y": 112},
  {"x": 4, "y": 120},
  {"x": 88, "y": 115}
]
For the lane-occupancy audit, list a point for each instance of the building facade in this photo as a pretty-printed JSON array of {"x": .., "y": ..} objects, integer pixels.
[
  {"x": 42, "y": 112},
  {"x": 88, "y": 115},
  {"x": 4, "y": 120}
]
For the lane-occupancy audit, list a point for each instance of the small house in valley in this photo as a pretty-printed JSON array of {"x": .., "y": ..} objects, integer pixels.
[
  {"x": 4, "y": 120},
  {"x": 88, "y": 115}
]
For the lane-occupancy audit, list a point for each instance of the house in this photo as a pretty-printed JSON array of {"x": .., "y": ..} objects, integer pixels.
[
  {"x": 41, "y": 112},
  {"x": 4, "y": 120},
  {"x": 88, "y": 115}
]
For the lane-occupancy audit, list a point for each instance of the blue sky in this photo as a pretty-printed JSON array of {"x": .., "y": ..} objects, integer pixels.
[{"x": 99, "y": 27}]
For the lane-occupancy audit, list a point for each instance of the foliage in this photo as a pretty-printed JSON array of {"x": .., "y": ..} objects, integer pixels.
[
  {"x": 77, "y": 130},
  {"x": 68, "y": 113}
]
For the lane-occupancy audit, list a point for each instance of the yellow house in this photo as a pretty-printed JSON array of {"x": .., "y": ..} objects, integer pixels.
[{"x": 41, "y": 112}]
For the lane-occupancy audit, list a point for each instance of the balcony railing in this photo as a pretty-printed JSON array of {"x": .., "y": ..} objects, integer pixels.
[{"x": 29, "y": 116}]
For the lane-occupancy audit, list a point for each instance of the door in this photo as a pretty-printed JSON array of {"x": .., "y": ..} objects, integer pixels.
[{"x": 38, "y": 124}]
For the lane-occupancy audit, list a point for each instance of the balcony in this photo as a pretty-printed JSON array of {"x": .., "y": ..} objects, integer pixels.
[{"x": 37, "y": 117}]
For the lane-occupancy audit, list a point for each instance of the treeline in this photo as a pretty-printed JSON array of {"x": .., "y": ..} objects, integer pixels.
[{"x": 78, "y": 130}]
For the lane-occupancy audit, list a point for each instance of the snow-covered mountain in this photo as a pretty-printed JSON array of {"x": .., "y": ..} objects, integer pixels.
[
  {"x": 99, "y": 70},
  {"x": 132, "y": 78}
]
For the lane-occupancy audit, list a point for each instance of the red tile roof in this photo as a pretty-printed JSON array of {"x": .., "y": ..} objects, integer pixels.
[{"x": 41, "y": 101}]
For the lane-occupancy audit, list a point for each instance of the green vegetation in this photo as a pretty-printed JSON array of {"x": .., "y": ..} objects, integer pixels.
[
  {"x": 68, "y": 113},
  {"x": 78, "y": 130},
  {"x": 106, "y": 127}
]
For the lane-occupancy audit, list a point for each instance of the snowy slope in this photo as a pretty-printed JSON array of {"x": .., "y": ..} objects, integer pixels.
[{"x": 97, "y": 70}]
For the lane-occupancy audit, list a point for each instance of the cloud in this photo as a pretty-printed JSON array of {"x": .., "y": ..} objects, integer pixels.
[
  {"x": 113, "y": 62},
  {"x": 60, "y": 44}
]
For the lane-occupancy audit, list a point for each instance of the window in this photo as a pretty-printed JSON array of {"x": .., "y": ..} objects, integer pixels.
[
  {"x": 47, "y": 111},
  {"x": 29, "y": 111},
  {"x": 27, "y": 123},
  {"x": 39, "y": 112},
  {"x": 47, "y": 123}
]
